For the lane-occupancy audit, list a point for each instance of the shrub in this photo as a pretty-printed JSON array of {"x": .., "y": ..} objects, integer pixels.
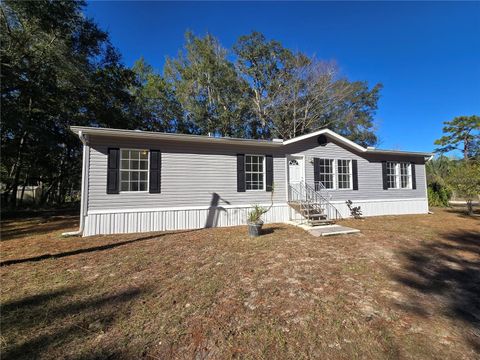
[
  {"x": 438, "y": 194},
  {"x": 355, "y": 211},
  {"x": 465, "y": 180},
  {"x": 255, "y": 216}
]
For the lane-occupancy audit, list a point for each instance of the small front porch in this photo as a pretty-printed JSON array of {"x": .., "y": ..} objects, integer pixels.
[{"x": 310, "y": 201}]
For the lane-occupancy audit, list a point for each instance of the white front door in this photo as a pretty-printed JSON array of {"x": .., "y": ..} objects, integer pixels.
[
  {"x": 295, "y": 177},
  {"x": 295, "y": 170}
]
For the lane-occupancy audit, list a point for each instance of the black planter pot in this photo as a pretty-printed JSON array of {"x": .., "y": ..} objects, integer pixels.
[{"x": 255, "y": 229}]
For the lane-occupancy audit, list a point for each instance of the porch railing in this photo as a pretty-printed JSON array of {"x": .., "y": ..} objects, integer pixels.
[
  {"x": 307, "y": 195},
  {"x": 319, "y": 187}
]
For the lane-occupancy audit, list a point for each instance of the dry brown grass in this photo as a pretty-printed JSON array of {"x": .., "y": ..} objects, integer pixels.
[{"x": 407, "y": 287}]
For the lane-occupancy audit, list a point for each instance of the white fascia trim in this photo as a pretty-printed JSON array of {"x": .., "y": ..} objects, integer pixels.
[
  {"x": 329, "y": 133},
  {"x": 378, "y": 200},
  {"x": 178, "y": 208}
]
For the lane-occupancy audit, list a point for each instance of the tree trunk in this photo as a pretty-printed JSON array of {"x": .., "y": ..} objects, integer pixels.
[
  {"x": 465, "y": 148},
  {"x": 16, "y": 172},
  {"x": 470, "y": 207},
  {"x": 23, "y": 194},
  {"x": 46, "y": 194}
]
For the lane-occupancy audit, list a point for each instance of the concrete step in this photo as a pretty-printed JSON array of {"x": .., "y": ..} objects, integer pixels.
[{"x": 320, "y": 222}]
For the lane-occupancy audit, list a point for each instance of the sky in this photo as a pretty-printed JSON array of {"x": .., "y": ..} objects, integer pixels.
[{"x": 426, "y": 54}]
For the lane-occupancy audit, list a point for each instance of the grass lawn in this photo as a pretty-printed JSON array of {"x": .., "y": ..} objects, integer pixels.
[{"x": 406, "y": 287}]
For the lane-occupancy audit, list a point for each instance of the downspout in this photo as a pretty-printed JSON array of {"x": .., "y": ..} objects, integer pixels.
[{"x": 83, "y": 192}]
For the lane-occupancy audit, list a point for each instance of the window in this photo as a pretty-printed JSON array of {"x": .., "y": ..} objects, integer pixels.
[
  {"x": 399, "y": 175},
  {"x": 405, "y": 176},
  {"x": 391, "y": 175},
  {"x": 344, "y": 174},
  {"x": 326, "y": 175},
  {"x": 134, "y": 170},
  {"x": 254, "y": 174}
]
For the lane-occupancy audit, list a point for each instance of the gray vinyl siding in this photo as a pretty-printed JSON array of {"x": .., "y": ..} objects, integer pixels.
[
  {"x": 370, "y": 182},
  {"x": 191, "y": 174}
]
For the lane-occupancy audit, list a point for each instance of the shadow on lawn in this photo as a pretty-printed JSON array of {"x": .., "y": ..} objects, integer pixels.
[
  {"x": 88, "y": 250},
  {"x": 448, "y": 271},
  {"x": 38, "y": 227},
  {"x": 50, "y": 320}
]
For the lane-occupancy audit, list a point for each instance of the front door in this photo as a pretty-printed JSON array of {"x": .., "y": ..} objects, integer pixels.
[{"x": 295, "y": 176}]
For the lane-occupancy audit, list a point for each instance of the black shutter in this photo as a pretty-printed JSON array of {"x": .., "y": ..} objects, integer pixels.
[
  {"x": 414, "y": 179},
  {"x": 269, "y": 172},
  {"x": 240, "y": 172},
  {"x": 113, "y": 171},
  {"x": 316, "y": 171},
  {"x": 155, "y": 172},
  {"x": 355, "y": 174},
  {"x": 384, "y": 175}
]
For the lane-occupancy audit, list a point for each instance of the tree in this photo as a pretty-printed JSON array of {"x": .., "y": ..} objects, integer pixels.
[
  {"x": 462, "y": 133},
  {"x": 262, "y": 63},
  {"x": 58, "y": 69},
  {"x": 155, "y": 99},
  {"x": 438, "y": 170},
  {"x": 465, "y": 180},
  {"x": 293, "y": 94},
  {"x": 208, "y": 87}
]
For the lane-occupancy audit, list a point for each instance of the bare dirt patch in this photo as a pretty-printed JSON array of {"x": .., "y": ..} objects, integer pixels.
[{"x": 406, "y": 287}]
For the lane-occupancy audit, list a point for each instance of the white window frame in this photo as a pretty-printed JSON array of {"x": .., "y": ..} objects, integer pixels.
[
  {"x": 395, "y": 177},
  {"x": 264, "y": 171},
  {"x": 350, "y": 173},
  {"x": 398, "y": 175},
  {"x": 139, "y": 170},
  {"x": 335, "y": 174}
]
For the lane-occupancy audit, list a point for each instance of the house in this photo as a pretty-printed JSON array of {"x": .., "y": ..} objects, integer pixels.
[{"x": 138, "y": 181}]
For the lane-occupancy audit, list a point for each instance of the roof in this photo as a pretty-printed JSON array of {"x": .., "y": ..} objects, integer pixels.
[{"x": 139, "y": 134}]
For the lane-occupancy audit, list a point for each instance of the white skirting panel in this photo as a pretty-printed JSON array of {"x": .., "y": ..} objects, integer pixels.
[
  {"x": 145, "y": 220},
  {"x": 385, "y": 207}
]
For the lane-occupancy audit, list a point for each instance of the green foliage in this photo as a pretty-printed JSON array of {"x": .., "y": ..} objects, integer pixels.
[
  {"x": 58, "y": 69},
  {"x": 269, "y": 92},
  {"x": 438, "y": 195},
  {"x": 438, "y": 170},
  {"x": 462, "y": 133},
  {"x": 155, "y": 100},
  {"x": 208, "y": 88},
  {"x": 255, "y": 215},
  {"x": 293, "y": 94},
  {"x": 465, "y": 180}
]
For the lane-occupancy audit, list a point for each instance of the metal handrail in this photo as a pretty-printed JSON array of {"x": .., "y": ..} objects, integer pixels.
[
  {"x": 309, "y": 199},
  {"x": 319, "y": 187},
  {"x": 299, "y": 199},
  {"x": 332, "y": 211}
]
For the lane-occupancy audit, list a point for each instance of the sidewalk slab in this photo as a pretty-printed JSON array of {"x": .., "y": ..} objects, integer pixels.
[{"x": 329, "y": 230}]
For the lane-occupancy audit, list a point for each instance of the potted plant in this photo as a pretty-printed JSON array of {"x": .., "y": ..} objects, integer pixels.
[
  {"x": 254, "y": 218},
  {"x": 255, "y": 221}
]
